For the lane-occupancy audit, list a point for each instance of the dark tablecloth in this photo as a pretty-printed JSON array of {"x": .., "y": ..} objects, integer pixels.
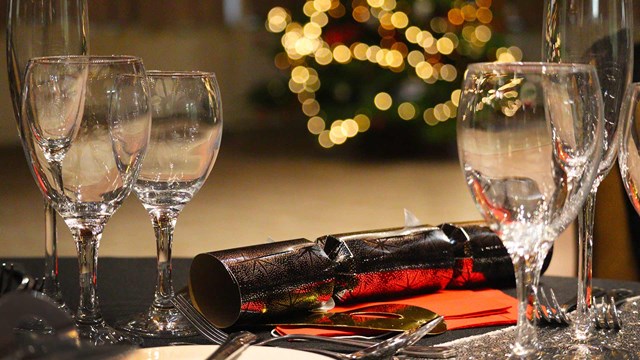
[{"x": 126, "y": 285}]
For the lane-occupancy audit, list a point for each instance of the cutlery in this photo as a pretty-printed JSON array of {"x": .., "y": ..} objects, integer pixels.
[
  {"x": 607, "y": 316},
  {"x": 387, "y": 348},
  {"x": 217, "y": 336},
  {"x": 235, "y": 344},
  {"x": 549, "y": 311}
]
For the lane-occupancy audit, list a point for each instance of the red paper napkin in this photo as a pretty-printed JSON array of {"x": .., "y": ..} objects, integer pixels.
[{"x": 460, "y": 308}]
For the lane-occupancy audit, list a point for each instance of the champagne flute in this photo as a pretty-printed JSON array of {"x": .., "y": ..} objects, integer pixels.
[
  {"x": 599, "y": 33},
  {"x": 529, "y": 141},
  {"x": 42, "y": 28},
  {"x": 84, "y": 138},
  {"x": 184, "y": 144}
]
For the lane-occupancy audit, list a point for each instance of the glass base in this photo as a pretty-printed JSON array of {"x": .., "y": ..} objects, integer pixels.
[
  {"x": 587, "y": 352},
  {"x": 159, "y": 323},
  {"x": 103, "y": 334}
]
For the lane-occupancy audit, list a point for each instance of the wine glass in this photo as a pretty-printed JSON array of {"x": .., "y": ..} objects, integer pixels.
[
  {"x": 599, "y": 33},
  {"x": 529, "y": 141},
  {"x": 84, "y": 138},
  {"x": 629, "y": 157},
  {"x": 184, "y": 144},
  {"x": 42, "y": 28}
]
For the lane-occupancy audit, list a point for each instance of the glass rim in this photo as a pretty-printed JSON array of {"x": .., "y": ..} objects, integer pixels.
[
  {"x": 525, "y": 66},
  {"x": 86, "y": 59},
  {"x": 180, "y": 73}
]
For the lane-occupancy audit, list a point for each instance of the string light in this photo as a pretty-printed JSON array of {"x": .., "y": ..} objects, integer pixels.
[{"x": 424, "y": 53}]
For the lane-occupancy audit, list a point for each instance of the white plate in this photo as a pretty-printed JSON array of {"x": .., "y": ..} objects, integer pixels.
[{"x": 197, "y": 352}]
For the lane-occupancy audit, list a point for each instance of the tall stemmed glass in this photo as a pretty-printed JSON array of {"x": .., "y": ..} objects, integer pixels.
[
  {"x": 593, "y": 32},
  {"x": 185, "y": 140},
  {"x": 629, "y": 157},
  {"x": 529, "y": 141},
  {"x": 43, "y": 28},
  {"x": 85, "y": 138}
]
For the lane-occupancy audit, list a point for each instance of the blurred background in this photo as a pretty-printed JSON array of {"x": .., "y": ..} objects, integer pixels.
[{"x": 338, "y": 115}]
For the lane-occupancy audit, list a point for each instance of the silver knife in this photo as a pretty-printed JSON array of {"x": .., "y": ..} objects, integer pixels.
[{"x": 235, "y": 344}]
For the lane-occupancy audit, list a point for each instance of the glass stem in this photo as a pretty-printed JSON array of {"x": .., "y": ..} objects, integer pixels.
[
  {"x": 51, "y": 285},
  {"x": 525, "y": 268},
  {"x": 583, "y": 327},
  {"x": 164, "y": 223},
  {"x": 87, "y": 237}
]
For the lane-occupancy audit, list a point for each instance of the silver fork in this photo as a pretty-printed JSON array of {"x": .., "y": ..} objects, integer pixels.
[
  {"x": 550, "y": 312},
  {"x": 386, "y": 348},
  {"x": 606, "y": 314},
  {"x": 217, "y": 336}
]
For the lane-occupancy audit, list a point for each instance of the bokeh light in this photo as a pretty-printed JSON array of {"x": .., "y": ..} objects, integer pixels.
[
  {"x": 383, "y": 101},
  {"x": 418, "y": 41}
]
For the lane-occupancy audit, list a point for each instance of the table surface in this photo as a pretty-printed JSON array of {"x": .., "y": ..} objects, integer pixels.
[{"x": 126, "y": 285}]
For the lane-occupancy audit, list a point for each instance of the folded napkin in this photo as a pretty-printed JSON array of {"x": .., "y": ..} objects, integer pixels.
[{"x": 460, "y": 308}]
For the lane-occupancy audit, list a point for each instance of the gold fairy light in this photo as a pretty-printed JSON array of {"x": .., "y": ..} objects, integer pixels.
[
  {"x": 336, "y": 134},
  {"x": 319, "y": 18},
  {"x": 310, "y": 107},
  {"x": 338, "y": 11},
  {"x": 281, "y": 61},
  {"x": 415, "y": 57},
  {"x": 322, "y": 5},
  {"x": 381, "y": 57},
  {"x": 411, "y": 34},
  {"x": 315, "y": 125},
  {"x": 363, "y": 122},
  {"x": 394, "y": 58},
  {"x": 361, "y": 14},
  {"x": 349, "y": 128},
  {"x": 324, "y": 56},
  {"x": 324, "y": 140},
  {"x": 452, "y": 109},
  {"x": 400, "y": 20},
  {"x": 468, "y": 12},
  {"x": 277, "y": 19},
  {"x": 439, "y": 25},
  {"x": 424, "y": 70},
  {"x": 360, "y": 51},
  {"x": 406, "y": 111},
  {"x": 295, "y": 87},
  {"x": 448, "y": 72},
  {"x": 455, "y": 97},
  {"x": 309, "y": 8},
  {"x": 383, "y": 101},
  {"x": 445, "y": 45},
  {"x": 304, "y": 95},
  {"x": 385, "y": 21},
  {"x": 312, "y": 30},
  {"x": 455, "y": 16},
  {"x": 484, "y": 15},
  {"x": 300, "y": 74},
  {"x": 429, "y": 117},
  {"x": 516, "y": 52},
  {"x": 441, "y": 112},
  {"x": 503, "y": 55},
  {"x": 372, "y": 53},
  {"x": 469, "y": 33},
  {"x": 483, "y": 33},
  {"x": 342, "y": 54},
  {"x": 389, "y": 5}
]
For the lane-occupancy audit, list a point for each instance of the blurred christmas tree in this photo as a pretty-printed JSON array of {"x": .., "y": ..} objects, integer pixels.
[{"x": 382, "y": 72}]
